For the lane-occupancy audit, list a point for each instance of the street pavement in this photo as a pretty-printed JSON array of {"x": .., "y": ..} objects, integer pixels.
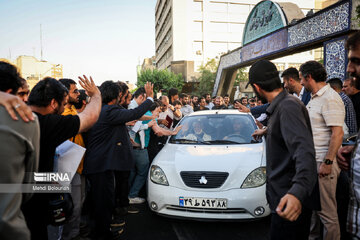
[{"x": 146, "y": 225}]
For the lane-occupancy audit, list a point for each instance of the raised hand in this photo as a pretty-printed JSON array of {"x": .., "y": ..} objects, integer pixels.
[
  {"x": 89, "y": 86},
  {"x": 149, "y": 89}
]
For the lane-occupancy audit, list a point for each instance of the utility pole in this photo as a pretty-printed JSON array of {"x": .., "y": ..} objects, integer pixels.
[{"x": 41, "y": 51}]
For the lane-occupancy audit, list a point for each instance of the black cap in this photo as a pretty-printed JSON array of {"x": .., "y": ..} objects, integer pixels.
[{"x": 262, "y": 71}]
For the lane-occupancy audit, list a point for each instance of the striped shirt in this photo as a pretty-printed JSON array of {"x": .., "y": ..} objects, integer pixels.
[
  {"x": 326, "y": 109},
  {"x": 350, "y": 116},
  {"x": 353, "y": 221}
]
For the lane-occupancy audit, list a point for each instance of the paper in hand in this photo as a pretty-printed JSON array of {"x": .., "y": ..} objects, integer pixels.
[{"x": 69, "y": 157}]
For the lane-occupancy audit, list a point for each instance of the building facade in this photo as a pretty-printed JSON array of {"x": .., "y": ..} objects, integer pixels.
[
  {"x": 149, "y": 63},
  {"x": 190, "y": 32},
  {"x": 33, "y": 70}
]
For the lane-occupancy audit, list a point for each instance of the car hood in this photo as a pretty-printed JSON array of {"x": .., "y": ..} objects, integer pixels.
[{"x": 237, "y": 160}]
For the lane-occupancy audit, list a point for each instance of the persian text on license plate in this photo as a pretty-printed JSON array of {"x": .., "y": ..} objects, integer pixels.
[{"x": 203, "y": 202}]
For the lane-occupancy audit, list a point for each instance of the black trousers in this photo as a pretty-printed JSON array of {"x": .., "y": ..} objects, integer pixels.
[
  {"x": 122, "y": 188},
  {"x": 102, "y": 194},
  {"x": 282, "y": 229},
  {"x": 35, "y": 212},
  {"x": 342, "y": 199}
]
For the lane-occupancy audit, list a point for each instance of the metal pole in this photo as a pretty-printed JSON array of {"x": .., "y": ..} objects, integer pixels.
[{"x": 41, "y": 51}]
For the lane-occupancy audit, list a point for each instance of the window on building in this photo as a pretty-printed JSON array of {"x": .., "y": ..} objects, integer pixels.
[
  {"x": 218, "y": 6},
  {"x": 198, "y": 6},
  {"x": 169, "y": 53},
  {"x": 198, "y": 26},
  {"x": 238, "y": 8},
  {"x": 198, "y": 47},
  {"x": 236, "y": 27},
  {"x": 217, "y": 48},
  {"x": 218, "y": 27}
]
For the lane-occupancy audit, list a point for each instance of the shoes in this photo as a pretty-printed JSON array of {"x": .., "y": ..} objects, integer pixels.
[
  {"x": 85, "y": 230},
  {"x": 136, "y": 200},
  {"x": 116, "y": 232},
  {"x": 117, "y": 222},
  {"x": 132, "y": 209}
]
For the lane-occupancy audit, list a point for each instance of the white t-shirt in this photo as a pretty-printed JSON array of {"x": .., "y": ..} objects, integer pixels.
[{"x": 171, "y": 115}]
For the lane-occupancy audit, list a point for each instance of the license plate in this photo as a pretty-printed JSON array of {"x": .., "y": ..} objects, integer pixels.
[{"x": 203, "y": 202}]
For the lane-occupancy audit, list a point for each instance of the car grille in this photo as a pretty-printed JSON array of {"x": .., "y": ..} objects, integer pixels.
[
  {"x": 211, "y": 179},
  {"x": 205, "y": 210}
]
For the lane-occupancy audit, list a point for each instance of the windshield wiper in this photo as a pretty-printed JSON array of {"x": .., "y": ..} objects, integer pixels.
[
  {"x": 222, "y": 141},
  {"x": 184, "y": 140}
]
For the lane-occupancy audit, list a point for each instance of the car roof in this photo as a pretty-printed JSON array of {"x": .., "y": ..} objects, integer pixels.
[{"x": 219, "y": 111}]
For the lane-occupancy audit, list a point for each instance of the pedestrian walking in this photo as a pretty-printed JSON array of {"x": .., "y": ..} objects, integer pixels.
[{"x": 291, "y": 188}]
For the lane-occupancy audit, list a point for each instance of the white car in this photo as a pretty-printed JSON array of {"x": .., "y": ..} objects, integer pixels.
[{"x": 212, "y": 169}]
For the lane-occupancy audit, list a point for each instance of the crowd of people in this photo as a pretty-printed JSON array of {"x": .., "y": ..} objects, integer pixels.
[{"x": 311, "y": 179}]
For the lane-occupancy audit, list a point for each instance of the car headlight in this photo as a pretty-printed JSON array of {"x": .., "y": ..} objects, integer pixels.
[
  {"x": 158, "y": 176},
  {"x": 255, "y": 179}
]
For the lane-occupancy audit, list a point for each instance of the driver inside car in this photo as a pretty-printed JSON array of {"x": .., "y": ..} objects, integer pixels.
[{"x": 237, "y": 133}]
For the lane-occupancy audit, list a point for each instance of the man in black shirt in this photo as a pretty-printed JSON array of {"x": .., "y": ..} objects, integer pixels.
[
  {"x": 218, "y": 104},
  {"x": 47, "y": 100},
  {"x": 202, "y": 104},
  {"x": 110, "y": 151},
  {"x": 291, "y": 167}
]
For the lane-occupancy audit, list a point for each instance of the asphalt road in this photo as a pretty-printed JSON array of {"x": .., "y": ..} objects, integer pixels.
[{"x": 148, "y": 226}]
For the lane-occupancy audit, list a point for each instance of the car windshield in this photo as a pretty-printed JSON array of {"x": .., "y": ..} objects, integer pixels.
[{"x": 215, "y": 129}]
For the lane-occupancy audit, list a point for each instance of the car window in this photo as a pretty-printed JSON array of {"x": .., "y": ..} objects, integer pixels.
[{"x": 216, "y": 129}]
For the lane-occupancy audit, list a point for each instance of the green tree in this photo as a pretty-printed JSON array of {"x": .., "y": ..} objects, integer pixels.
[
  {"x": 207, "y": 77},
  {"x": 162, "y": 79},
  {"x": 241, "y": 76}
]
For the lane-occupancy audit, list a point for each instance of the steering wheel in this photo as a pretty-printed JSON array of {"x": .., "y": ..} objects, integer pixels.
[{"x": 237, "y": 137}]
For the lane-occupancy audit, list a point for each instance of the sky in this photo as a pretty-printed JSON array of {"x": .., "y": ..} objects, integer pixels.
[{"x": 105, "y": 39}]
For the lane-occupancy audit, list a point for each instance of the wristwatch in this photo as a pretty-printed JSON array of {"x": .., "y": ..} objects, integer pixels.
[{"x": 328, "y": 162}]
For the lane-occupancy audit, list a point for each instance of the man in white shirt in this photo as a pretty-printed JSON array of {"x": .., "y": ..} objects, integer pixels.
[
  {"x": 327, "y": 114},
  {"x": 169, "y": 114},
  {"x": 186, "y": 108}
]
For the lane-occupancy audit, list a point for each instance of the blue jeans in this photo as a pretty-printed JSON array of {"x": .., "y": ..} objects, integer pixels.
[{"x": 138, "y": 175}]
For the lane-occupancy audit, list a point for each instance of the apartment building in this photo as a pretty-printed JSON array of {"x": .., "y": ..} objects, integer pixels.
[{"x": 189, "y": 32}]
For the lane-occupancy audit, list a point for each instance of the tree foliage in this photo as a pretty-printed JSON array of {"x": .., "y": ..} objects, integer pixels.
[
  {"x": 207, "y": 77},
  {"x": 162, "y": 79},
  {"x": 358, "y": 14},
  {"x": 241, "y": 76}
]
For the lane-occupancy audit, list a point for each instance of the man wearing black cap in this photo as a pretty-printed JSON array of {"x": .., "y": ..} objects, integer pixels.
[{"x": 291, "y": 189}]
